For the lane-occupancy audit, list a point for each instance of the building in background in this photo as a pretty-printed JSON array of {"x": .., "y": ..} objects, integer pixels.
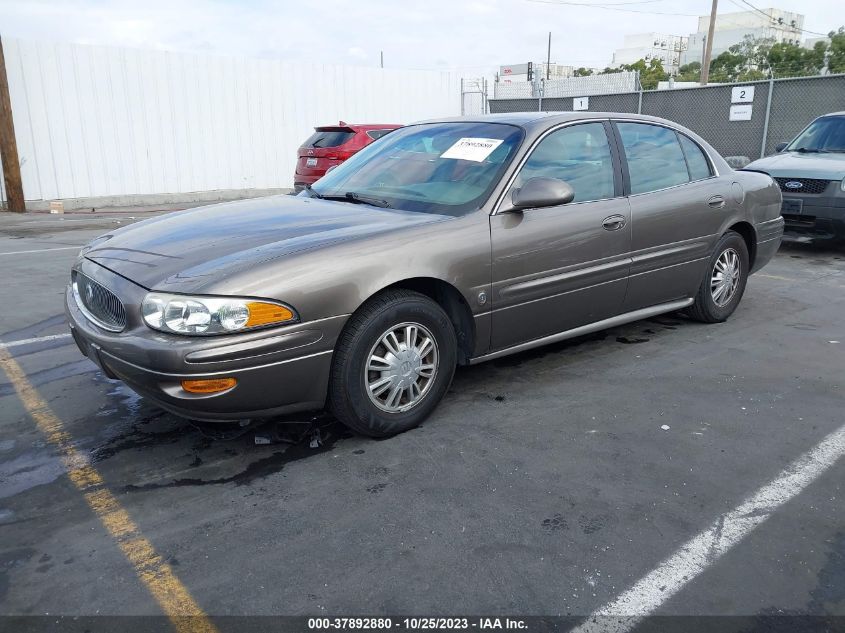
[
  {"x": 733, "y": 28},
  {"x": 525, "y": 72},
  {"x": 666, "y": 48}
]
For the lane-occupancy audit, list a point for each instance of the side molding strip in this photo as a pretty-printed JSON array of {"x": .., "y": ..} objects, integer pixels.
[{"x": 620, "y": 319}]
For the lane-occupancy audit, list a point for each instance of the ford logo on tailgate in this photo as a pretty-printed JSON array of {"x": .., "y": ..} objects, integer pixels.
[{"x": 793, "y": 184}]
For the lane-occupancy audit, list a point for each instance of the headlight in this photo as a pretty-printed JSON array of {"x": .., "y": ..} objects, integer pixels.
[{"x": 181, "y": 314}]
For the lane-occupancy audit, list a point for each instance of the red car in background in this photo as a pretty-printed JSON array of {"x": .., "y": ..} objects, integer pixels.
[{"x": 330, "y": 145}]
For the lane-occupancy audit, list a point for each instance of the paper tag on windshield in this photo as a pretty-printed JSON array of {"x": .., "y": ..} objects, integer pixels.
[{"x": 475, "y": 149}]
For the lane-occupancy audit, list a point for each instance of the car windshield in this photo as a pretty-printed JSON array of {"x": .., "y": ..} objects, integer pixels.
[
  {"x": 443, "y": 168},
  {"x": 822, "y": 135}
]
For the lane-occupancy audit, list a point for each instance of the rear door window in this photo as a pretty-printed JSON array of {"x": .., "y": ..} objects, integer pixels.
[
  {"x": 699, "y": 166},
  {"x": 654, "y": 155},
  {"x": 328, "y": 138}
]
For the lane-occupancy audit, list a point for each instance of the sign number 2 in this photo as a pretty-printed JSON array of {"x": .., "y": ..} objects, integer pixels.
[{"x": 742, "y": 94}]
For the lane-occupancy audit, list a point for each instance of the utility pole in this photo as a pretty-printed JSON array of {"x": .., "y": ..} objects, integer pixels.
[
  {"x": 708, "y": 45},
  {"x": 8, "y": 144},
  {"x": 381, "y": 57},
  {"x": 549, "y": 57}
]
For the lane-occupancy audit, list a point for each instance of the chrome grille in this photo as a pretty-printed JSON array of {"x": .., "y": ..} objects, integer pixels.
[
  {"x": 98, "y": 303},
  {"x": 808, "y": 185}
]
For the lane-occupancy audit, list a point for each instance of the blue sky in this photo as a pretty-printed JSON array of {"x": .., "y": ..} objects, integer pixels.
[{"x": 475, "y": 36}]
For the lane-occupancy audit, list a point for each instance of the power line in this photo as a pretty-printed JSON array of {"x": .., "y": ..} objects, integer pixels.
[
  {"x": 775, "y": 22},
  {"x": 611, "y": 8}
]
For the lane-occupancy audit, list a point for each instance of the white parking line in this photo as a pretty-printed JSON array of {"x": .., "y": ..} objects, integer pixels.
[
  {"x": 696, "y": 555},
  {"x": 37, "y": 339},
  {"x": 44, "y": 250}
]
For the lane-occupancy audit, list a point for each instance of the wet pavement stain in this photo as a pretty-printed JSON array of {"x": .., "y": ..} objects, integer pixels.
[
  {"x": 45, "y": 376},
  {"x": 35, "y": 329},
  {"x": 260, "y": 468},
  {"x": 631, "y": 341},
  {"x": 555, "y": 523}
]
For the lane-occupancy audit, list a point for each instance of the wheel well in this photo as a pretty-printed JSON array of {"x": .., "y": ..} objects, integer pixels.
[
  {"x": 453, "y": 303},
  {"x": 747, "y": 233}
]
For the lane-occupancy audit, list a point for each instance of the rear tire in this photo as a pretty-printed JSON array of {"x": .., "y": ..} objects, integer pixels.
[
  {"x": 724, "y": 283},
  {"x": 393, "y": 364}
]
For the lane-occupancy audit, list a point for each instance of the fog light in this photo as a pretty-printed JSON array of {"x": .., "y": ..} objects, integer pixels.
[{"x": 210, "y": 385}]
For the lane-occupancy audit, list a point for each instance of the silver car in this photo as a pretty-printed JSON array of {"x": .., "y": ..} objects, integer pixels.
[
  {"x": 446, "y": 242},
  {"x": 810, "y": 171}
]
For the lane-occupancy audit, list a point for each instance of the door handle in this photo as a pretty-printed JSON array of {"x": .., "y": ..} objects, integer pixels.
[
  {"x": 613, "y": 223},
  {"x": 717, "y": 202}
]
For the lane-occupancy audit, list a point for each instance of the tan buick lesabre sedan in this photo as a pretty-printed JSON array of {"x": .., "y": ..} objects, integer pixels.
[{"x": 445, "y": 242}]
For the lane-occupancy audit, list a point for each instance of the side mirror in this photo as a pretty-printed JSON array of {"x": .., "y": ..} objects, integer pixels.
[
  {"x": 542, "y": 192},
  {"x": 780, "y": 147}
]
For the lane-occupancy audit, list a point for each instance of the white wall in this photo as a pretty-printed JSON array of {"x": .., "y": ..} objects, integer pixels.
[{"x": 98, "y": 121}]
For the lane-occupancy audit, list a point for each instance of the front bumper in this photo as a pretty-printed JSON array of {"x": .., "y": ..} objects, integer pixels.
[
  {"x": 301, "y": 180},
  {"x": 278, "y": 371},
  {"x": 819, "y": 216}
]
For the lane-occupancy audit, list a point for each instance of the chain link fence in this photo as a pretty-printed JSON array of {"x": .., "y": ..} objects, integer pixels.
[
  {"x": 736, "y": 125},
  {"x": 627, "y": 81},
  {"x": 473, "y": 96}
]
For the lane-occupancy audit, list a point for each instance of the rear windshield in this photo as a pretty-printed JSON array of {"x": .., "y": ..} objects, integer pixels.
[
  {"x": 376, "y": 134},
  {"x": 328, "y": 138}
]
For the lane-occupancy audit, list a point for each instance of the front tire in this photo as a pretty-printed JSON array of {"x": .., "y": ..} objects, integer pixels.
[
  {"x": 393, "y": 364},
  {"x": 724, "y": 284}
]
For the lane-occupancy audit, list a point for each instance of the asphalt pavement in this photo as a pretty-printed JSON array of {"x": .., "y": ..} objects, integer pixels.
[{"x": 549, "y": 482}]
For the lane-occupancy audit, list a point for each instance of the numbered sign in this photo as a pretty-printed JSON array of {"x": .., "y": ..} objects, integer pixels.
[
  {"x": 742, "y": 94},
  {"x": 581, "y": 103}
]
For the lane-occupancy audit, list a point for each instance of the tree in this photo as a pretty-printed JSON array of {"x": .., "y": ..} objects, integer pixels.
[
  {"x": 789, "y": 60},
  {"x": 689, "y": 72},
  {"x": 650, "y": 73},
  {"x": 836, "y": 51},
  {"x": 582, "y": 72}
]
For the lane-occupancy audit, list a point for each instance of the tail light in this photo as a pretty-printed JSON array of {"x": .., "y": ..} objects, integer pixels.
[{"x": 341, "y": 154}]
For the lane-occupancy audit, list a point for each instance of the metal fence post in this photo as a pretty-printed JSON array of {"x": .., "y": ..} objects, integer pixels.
[
  {"x": 640, "y": 102},
  {"x": 541, "y": 87},
  {"x": 766, "y": 120}
]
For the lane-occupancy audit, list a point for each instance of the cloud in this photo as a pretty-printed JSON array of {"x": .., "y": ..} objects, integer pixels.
[
  {"x": 476, "y": 36},
  {"x": 357, "y": 52}
]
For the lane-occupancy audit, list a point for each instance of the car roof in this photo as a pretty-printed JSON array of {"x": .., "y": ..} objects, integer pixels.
[
  {"x": 531, "y": 120},
  {"x": 359, "y": 126}
]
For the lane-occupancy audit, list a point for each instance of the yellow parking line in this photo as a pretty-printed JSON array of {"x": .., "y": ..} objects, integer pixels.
[{"x": 172, "y": 596}]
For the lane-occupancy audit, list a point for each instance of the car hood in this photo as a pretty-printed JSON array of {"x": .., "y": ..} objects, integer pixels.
[
  {"x": 191, "y": 249},
  {"x": 798, "y": 164}
]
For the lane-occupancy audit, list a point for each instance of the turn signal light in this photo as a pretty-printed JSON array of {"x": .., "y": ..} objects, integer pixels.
[
  {"x": 265, "y": 313},
  {"x": 210, "y": 385}
]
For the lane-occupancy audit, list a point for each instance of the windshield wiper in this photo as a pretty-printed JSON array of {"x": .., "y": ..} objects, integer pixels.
[
  {"x": 376, "y": 202},
  {"x": 313, "y": 193},
  {"x": 806, "y": 150},
  {"x": 350, "y": 196}
]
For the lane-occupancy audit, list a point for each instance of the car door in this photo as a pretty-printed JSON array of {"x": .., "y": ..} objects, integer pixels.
[
  {"x": 678, "y": 204},
  {"x": 556, "y": 268}
]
